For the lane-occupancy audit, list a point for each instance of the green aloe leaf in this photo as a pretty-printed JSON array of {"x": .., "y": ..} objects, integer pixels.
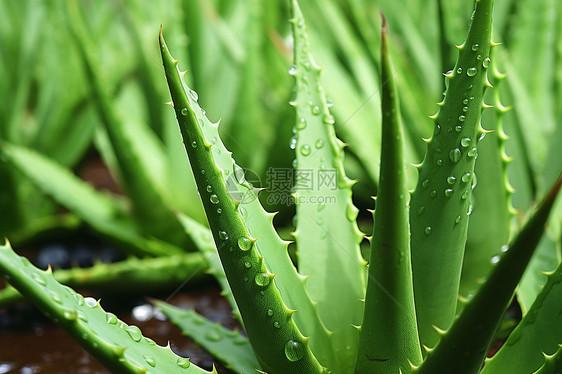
[
  {"x": 490, "y": 221},
  {"x": 326, "y": 234},
  {"x": 230, "y": 347},
  {"x": 538, "y": 333},
  {"x": 465, "y": 344},
  {"x": 131, "y": 275},
  {"x": 118, "y": 346},
  {"x": 151, "y": 210},
  {"x": 389, "y": 335},
  {"x": 277, "y": 342},
  {"x": 99, "y": 210},
  {"x": 440, "y": 204}
]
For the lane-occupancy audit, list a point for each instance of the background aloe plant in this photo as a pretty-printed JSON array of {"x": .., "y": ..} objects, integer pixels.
[{"x": 448, "y": 169}]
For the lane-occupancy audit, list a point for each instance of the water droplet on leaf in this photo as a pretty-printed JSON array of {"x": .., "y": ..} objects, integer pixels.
[
  {"x": 471, "y": 72},
  {"x": 244, "y": 243},
  {"x": 455, "y": 155},
  {"x": 294, "y": 350}
]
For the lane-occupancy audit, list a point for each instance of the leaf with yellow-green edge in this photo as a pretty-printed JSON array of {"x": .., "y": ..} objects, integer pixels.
[
  {"x": 327, "y": 236},
  {"x": 440, "y": 204},
  {"x": 236, "y": 218},
  {"x": 389, "y": 335},
  {"x": 552, "y": 363},
  {"x": 120, "y": 347},
  {"x": 464, "y": 346},
  {"x": 229, "y": 346}
]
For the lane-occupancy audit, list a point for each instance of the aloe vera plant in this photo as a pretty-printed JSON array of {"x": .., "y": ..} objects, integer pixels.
[{"x": 401, "y": 313}]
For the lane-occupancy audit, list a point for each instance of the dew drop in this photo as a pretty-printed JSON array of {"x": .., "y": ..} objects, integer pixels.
[
  {"x": 81, "y": 316},
  {"x": 451, "y": 180},
  {"x": 439, "y": 162},
  {"x": 90, "y": 301},
  {"x": 38, "y": 278},
  {"x": 475, "y": 47},
  {"x": 315, "y": 109},
  {"x": 294, "y": 350},
  {"x": 149, "y": 360},
  {"x": 458, "y": 219},
  {"x": 437, "y": 129},
  {"x": 293, "y": 143},
  {"x": 465, "y": 142},
  {"x": 277, "y": 325},
  {"x": 111, "y": 318},
  {"x": 56, "y": 298},
  {"x": 184, "y": 112},
  {"x": 247, "y": 265},
  {"x": 292, "y": 70},
  {"x": 223, "y": 235},
  {"x": 244, "y": 243},
  {"x": 269, "y": 312},
  {"x": 134, "y": 332},
  {"x": 209, "y": 188},
  {"x": 183, "y": 362},
  {"x": 455, "y": 155},
  {"x": 301, "y": 123},
  {"x": 464, "y": 195},
  {"x": 243, "y": 212},
  {"x": 319, "y": 143},
  {"x": 495, "y": 259},
  {"x": 295, "y": 163},
  {"x": 70, "y": 315},
  {"x": 471, "y": 72},
  {"x": 465, "y": 177},
  {"x": 486, "y": 62},
  {"x": 427, "y": 230},
  {"x": 328, "y": 119},
  {"x": 219, "y": 210},
  {"x": 458, "y": 128},
  {"x": 470, "y": 207},
  {"x": 193, "y": 95},
  {"x": 462, "y": 118},
  {"x": 472, "y": 152},
  {"x": 433, "y": 193},
  {"x": 465, "y": 109},
  {"x": 262, "y": 279},
  {"x": 194, "y": 144},
  {"x": 425, "y": 183},
  {"x": 459, "y": 71},
  {"x": 305, "y": 150},
  {"x": 214, "y": 199},
  {"x": 465, "y": 101},
  {"x": 448, "y": 192},
  {"x": 421, "y": 210}
]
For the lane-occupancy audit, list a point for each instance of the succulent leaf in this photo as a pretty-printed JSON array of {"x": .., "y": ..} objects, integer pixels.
[
  {"x": 490, "y": 221},
  {"x": 229, "y": 346},
  {"x": 152, "y": 212},
  {"x": 99, "y": 210},
  {"x": 118, "y": 346},
  {"x": 389, "y": 335},
  {"x": 465, "y": 344},
  {"x": 131, "y": 275},
  {"x": 440, "y": 204},
  {"x": 326, "y": 234},
  {"x": 279, "y": 345}
]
